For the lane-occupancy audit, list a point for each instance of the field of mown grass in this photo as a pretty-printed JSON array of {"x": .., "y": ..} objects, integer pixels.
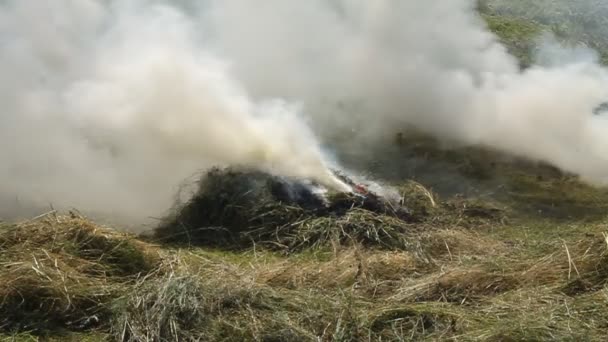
[
  {"x": 515, "y": 251},
  {"x": 505, "y": 269}
]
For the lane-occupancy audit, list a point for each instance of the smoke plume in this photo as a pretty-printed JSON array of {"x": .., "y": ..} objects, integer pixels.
[{"x": 107, "y": 105}]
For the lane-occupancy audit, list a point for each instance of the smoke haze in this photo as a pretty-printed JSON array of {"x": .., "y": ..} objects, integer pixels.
[{"x": 108, "y": 105}]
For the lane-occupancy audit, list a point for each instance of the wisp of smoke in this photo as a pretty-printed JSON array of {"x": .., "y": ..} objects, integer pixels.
[{"x": 107, "y": 105}]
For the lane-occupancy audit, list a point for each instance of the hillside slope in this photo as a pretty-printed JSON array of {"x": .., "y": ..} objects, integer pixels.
[{"x": 519, "y": 22}]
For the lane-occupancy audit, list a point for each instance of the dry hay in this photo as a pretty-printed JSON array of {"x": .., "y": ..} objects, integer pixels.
[
  {"x": 92, "y": 248},
  {"x": 381, "y": 273},
  {"x": 160, "y": 309},
  {"x": 590, "y": 264},
  {"x": 354, "y": 294},
  {"x": 460, "y": 244},
  {"x": 355, "y": 226},
  {"x": 419, "y": 199},
  {"x": 397, "y": 323},
  {"x": 342, "y": 271},
  {"x": 59, "y": 272},
  {"x": 212, "y": 306},
  {"x": 43, "y": 294},
  {"x": 470, "y": 213},
  {"x": 240, "y": 208},
  {"x": 581, "y": 265},
  {"x": 393, "y": 265},
  {"x": 353, "y": 267},
  {"x": 458, "y": 286},
  {"x": 455, "y": 286}
]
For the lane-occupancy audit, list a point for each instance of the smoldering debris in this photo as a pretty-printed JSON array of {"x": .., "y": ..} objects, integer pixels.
[{"x": 239, "y": 207}]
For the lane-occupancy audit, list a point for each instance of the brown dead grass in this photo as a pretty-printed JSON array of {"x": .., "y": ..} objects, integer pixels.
[
  {"x": 342, "y": 271},
  {"x": 61, "y": 272},
  {"x": 449, "y": 284},
  {"x": 460, "y": 286},
  {"x": 456, "y": 244},
  {"x": 452, "y": 276},
  {"x": 454, "y": 286},
  {"x": 349, "y": 267},
  {"x": 581, "y": 264}
]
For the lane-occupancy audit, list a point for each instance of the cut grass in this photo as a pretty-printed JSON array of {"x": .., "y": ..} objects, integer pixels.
[
  {"x": 459, "y": 284},
  {"x": 471, "y": 269},
  {"x": 160, "y": 309},
  {"x": 59, "y": 272}
]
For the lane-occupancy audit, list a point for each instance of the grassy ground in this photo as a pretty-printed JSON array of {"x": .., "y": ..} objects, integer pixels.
[
  {"x": 523, "y": 256},
  {"x": 519, "y": 22},
  {"x": 526, "y": 264}
]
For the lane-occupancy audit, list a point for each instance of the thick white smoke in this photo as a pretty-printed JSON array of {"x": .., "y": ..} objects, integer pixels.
[
  {"x": 107, "y": 105},
  {"x": 431, "y": 64}
]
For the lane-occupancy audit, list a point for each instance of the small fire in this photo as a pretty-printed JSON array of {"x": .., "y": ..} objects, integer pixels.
[{"x": 360, "y": 189}]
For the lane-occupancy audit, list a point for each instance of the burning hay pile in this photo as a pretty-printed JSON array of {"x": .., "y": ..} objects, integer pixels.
[{"x": 241, "y": 208}]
